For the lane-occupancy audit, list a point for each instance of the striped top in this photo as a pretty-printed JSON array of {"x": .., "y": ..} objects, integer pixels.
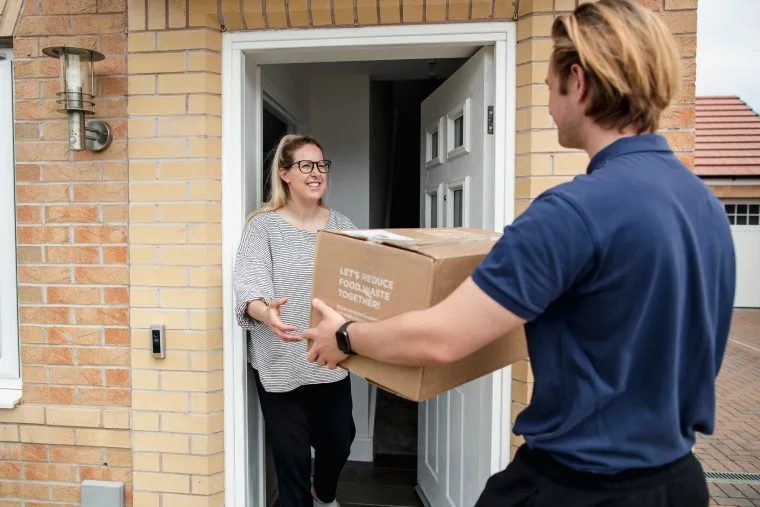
[{"x": 276, "y": 259}]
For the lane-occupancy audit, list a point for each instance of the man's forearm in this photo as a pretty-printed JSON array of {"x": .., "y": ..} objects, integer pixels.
[
  {"x": 464, "y": 322},
  {"x": 410, "y": 339}
]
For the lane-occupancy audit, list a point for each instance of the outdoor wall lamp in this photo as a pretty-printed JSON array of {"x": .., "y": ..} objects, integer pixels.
[{"x": 77, "y": 97}]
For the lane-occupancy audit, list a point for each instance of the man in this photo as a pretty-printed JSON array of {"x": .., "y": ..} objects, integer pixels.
[{"x": 624, "y": 279}]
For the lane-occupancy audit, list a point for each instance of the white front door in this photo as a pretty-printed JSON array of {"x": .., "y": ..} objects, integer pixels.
[
  {"x": 744, "y": 217},
  {"x": 456, "y": 179}
]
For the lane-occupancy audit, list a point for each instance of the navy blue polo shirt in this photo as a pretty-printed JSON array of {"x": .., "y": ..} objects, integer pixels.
[{"x": 626, "y": 277}]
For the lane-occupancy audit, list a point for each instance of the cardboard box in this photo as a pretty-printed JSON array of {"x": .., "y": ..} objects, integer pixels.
[{"x": 375, "y": 274}]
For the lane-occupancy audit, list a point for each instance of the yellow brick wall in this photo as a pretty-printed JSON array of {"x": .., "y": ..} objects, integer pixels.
[
  {"x": 278, "y": 14},
  {"x": 73, "y": 421},
  {"x": 174, "y": 131},
  {"x": 89, "y": 378}
]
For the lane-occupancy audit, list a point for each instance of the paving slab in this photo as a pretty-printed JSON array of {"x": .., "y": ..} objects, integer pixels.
[{"x": 735, "y": 446}]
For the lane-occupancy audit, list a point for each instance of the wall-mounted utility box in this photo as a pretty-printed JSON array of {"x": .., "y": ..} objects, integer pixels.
[{"x": 102, "y": 494}]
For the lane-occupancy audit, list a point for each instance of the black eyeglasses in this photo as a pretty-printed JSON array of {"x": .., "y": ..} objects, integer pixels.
[{"x": 307, "y": 166}]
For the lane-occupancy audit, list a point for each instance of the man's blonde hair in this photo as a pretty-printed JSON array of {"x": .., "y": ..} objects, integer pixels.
[{"x": 629, "y": 57}]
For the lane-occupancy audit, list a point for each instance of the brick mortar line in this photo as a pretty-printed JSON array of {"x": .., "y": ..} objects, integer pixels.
[{"x": 153, "y": 52}]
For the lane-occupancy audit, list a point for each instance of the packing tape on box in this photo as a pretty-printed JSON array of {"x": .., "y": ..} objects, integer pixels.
[{"x": 421, "y": 246}]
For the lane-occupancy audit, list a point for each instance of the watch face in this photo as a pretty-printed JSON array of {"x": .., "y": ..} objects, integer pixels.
[{"x": 342, "y": 344}]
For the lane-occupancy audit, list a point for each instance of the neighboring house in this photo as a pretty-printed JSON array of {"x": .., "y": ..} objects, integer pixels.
[
  {"x": 727, "y": 158},
  {"x": 144, "y": 232}
]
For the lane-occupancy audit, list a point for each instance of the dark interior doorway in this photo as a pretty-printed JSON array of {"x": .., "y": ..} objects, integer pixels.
[{"x": 273, "y": 128}]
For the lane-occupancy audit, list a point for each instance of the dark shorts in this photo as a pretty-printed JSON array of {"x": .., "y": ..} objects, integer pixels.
[{"x": 535, "y": 479}]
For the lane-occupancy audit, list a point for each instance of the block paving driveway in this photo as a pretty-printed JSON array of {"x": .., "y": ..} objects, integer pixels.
[{"x": 735, "y": 446}]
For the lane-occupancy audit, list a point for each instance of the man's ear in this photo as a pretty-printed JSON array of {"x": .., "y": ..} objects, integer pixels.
[{"x": 577, "y": 81}]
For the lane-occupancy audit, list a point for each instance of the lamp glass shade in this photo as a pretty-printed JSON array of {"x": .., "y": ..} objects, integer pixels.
[{"x": 77, "y": 77}]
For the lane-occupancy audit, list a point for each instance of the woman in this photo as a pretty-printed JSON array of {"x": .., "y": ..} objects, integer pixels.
[{"x": 304, "y": 405}]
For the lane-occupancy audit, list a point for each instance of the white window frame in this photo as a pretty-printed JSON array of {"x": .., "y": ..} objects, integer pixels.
[
  {"x": 429, "y": 193},
  {"x": 462, "y": 110},
  {"x": 435, "y": 127},
  {"x": 451, "y": 187},
  {"x": 737, "y": 202},
  {"x": 10, "y": 362}
]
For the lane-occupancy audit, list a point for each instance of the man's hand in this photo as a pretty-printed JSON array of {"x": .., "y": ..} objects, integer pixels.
[
  {"x": 282, "y": 331},
  {"x": 324, "y": 350}
]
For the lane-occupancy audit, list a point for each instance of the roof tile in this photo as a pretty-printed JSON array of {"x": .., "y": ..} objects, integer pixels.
[
  {"x": 728, "y": 138},
  {"x": 734, "y": 145}
]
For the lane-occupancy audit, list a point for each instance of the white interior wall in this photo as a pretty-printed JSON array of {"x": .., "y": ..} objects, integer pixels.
[
  {"x": 283, "y": 86},
  {"x": 339, "y": 118},
  {"x": 334, "y": 107}
]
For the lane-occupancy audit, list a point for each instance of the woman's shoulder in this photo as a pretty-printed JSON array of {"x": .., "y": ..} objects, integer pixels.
[
  {"x": 261, "y": 218},
  {"x": 260, "y": 224},
  {"x": 341, "y": 221}
]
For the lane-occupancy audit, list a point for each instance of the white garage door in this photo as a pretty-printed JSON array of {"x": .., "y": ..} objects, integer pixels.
[{"x": 744, "y": 216}]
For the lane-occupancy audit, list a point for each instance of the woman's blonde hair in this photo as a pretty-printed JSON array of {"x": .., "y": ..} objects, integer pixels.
[
  {"x": 630, "y": 59},
  {"x": 283, "y": 159}
]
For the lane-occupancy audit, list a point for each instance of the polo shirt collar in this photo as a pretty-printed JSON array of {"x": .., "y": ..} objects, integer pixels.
[{"x": 640, "y": 143}]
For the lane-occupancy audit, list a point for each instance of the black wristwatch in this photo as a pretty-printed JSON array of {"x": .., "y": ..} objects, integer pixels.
[{"x": 341, "y": 335}]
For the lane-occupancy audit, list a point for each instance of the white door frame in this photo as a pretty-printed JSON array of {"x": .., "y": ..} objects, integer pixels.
[{"x": 368, "y": 43}]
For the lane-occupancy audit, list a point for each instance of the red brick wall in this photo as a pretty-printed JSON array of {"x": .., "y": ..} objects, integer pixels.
[{"x": 72, "y": 423}]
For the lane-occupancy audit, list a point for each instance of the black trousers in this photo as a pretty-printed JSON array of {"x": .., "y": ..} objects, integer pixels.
[
  {"x": 318, "y": 416},
  {"x": 535, "y": 479}
]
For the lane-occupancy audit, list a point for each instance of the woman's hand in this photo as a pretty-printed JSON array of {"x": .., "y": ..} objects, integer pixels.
[{"x": 273, "y": 322}]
